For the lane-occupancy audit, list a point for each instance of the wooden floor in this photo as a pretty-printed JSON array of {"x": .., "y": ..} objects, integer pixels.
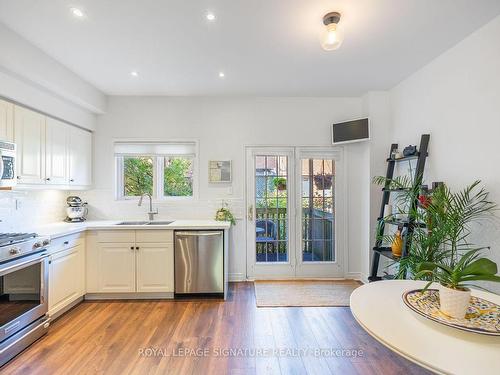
[{"x": 161, "y": 337}]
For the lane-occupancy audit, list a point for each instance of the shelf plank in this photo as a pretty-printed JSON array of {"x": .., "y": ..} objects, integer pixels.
[
  {"x": 404, "y": 223},
  {"x": 406, "y": 158},
  {"x": 386, "y": 252}
]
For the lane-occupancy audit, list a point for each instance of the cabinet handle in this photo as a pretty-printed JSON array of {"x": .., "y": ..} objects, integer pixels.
[
  {"x": 66, "y": 242},
  {"x": 137, "y": 247},
  {"x": 47, "y": 179},
  {"x": 131, "y": 248},
  {"x": 18, "y": 177},
  {"x": 71, "y": 180}
]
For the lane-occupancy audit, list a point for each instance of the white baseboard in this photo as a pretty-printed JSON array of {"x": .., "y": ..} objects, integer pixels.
[
  {"x": 237, "y": 277},
  {"x": 364, "y": 278},
  {"x": 354, "y": 276}
]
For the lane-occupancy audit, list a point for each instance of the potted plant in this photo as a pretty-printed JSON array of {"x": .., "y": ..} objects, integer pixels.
[
  {"x": 442, "y": 222},
  {"x": 280, "y": 183},
  {"x": 323, "y": 182},
  {"x": 224, "y": 214},
  {"x": 454, "y": 280}
]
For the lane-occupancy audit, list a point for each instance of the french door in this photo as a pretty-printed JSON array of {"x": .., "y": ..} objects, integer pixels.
[{"x": 294, "y": 202}]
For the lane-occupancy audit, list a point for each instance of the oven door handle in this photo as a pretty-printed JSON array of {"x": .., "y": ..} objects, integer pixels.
[{"x": 14, "y": 267}]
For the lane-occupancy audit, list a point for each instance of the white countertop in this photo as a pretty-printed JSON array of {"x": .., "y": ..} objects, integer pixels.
[{"x": 60, "y": 229}]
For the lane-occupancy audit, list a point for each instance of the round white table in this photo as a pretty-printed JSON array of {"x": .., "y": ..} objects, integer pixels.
[{"x": 379, "y": 309}]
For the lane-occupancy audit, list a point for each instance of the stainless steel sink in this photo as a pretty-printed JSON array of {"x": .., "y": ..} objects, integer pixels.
[
  {"x": 133, "y": 223},
  {"x": 159, "y": 222},
  {"x": 145, "y": 223}
]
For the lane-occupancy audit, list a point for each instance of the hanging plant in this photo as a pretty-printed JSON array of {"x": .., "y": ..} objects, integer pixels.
[
  {"x": 323, "y": 182},
  {"x": 279, "y": 183},
  {"x": 223, "y": 214}
]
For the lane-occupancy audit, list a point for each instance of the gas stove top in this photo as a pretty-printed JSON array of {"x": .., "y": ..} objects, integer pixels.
[
  {"x": 10, "y": 238},
  {"x": 15, "y": 245}
]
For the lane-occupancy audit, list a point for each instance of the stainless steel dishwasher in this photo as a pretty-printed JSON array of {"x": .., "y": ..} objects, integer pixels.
[{"x": 199, "y": 262}]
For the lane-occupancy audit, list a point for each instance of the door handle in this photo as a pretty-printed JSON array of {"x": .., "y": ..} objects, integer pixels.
[
  {"x": 250, "y": 212},
  {"x": 198, "y": 234}
]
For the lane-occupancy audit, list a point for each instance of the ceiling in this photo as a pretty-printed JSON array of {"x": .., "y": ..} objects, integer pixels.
[{"x": 264, "y": 47}]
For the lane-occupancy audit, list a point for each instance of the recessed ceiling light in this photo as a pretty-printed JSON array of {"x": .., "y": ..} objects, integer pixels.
[
  {"x": 210, "y": 16},
  {"x": 77, "y": 12},
  {"x": 134, "y": 73},
  {"x": 221, "y": 75}
]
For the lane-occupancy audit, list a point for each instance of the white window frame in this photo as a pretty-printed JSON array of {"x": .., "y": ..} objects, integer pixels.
[{"x": 157, "y": 175}]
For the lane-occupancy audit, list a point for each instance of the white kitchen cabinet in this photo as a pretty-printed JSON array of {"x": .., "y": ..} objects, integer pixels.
[
  {"x": 66, "y": 277},
  {"x": 29, "y": 135},
  {"x": 6, "y": 121},
  {"x": 80, "y": 157},
  {"x": 117, "y": 267},
  {"x": 56, "y": 162},
  {"x": 155, "y": 267},
  {"x": 118, "y": 263}
]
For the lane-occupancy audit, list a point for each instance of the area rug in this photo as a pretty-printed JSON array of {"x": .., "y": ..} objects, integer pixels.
[{"x": 304, "y": 293}]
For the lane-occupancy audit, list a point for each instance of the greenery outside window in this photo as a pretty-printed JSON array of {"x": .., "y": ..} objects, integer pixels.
[{"x": 162, "y": 176}]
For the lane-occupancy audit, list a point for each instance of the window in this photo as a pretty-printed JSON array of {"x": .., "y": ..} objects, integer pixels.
[{"x": 164, "y": 170}]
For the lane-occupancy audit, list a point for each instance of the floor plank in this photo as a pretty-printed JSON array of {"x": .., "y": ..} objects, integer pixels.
[{"x": 206, "y": 336}]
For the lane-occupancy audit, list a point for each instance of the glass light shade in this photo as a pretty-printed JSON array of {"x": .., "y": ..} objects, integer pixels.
[{"x": 332, "y": 37}]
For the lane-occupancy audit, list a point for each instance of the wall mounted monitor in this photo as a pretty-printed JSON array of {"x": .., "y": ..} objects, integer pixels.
[{"x": 350, "y": 131}]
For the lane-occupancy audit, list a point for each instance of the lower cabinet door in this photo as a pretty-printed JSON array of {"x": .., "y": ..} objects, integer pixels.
[
  {"x": 155, "y": 267},
  {"x": 117, "y": 267},
  {"x": 66, "y": 277}
]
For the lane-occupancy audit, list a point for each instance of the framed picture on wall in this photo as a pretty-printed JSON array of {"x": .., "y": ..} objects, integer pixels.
[{"x": 219, "y": 171}]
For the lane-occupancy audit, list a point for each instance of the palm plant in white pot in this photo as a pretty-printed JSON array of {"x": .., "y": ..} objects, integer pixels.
[
  {"x": 460, "y": 264},
  {"x": 454, "y": 282},
  {"x": 440, "y": 249}
]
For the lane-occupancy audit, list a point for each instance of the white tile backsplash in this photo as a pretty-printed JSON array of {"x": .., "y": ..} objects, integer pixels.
[
  {"x": 102, "y": 205},
  {"x": 22, "y": 210}
]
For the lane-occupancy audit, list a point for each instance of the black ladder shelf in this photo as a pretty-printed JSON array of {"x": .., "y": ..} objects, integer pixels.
[{"x": 379, "y": 250}]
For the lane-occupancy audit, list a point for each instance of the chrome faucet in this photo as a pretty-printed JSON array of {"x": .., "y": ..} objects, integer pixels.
[{"x": 151, "y": 213}]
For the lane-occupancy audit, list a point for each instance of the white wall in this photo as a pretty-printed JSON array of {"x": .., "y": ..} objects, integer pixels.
[
  {"x": 223, "y": 127},
  {"x": 31, "y": 77},
  {"x": 23, "y": 211},
  {"x": 377, "y": 108},
  {"x": 456, "y": 98}
]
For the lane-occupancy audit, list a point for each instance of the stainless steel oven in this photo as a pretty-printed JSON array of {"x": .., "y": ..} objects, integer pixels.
[
  {"x": 23, "y": 297},
  {"x": 7, "y": 164}
]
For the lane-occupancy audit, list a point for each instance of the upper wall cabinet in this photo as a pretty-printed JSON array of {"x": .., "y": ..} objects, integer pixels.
[
  {"x": 29, "y": 135},
  {"x": 56, "y": 155},
  {"x": 6, "y": 121},
  {"x": 51, "y": 152},
  {"x": 80, "y": 157}
]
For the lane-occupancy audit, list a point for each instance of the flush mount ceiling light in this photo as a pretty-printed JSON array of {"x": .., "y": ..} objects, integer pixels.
[
  {"x": 134, "y": 73},
  {"x": 333, "y": 35},
  {"x": 210, "y": 16},
  {"x": 221, "y": 75},
  {"x": 77, "y": 12}
]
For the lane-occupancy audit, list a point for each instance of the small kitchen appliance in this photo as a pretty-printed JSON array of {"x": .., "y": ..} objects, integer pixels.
[{"x": 77, "y": 209}]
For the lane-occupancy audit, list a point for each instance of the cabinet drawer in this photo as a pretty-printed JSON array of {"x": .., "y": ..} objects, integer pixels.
[
  {"x": 66, "y": 242},
  {"x": 154, "y": 236},
  {"x": 116, "y": 236}
]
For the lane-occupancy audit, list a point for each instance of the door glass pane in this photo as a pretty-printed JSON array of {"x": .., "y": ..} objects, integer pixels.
[
  {"x": 271, "y": 208},
  {"x": 318, "y": 183}
]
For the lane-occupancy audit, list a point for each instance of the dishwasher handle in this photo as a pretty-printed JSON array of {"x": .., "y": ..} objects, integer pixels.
[{"x": 198, "y": 234}]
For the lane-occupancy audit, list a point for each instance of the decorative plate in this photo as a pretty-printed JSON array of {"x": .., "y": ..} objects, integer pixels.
[{"x": 482, "y": 316}]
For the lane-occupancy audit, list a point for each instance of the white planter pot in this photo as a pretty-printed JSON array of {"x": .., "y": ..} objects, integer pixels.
[{"x": 454, "y": 302}]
